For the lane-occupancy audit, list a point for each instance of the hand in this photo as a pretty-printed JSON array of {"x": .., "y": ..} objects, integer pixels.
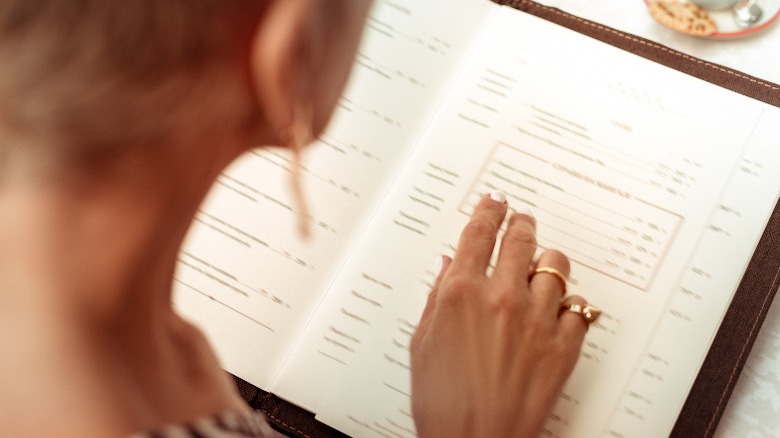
[{"x": 491, "y": 353}]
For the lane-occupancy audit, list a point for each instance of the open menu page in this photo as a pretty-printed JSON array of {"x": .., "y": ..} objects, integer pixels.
[
  {"x": 657, "y": 186},
  {"x": 245, "y": 276}
]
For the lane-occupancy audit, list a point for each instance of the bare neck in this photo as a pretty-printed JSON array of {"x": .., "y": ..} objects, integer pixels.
[{"x": 85, "y": 283}]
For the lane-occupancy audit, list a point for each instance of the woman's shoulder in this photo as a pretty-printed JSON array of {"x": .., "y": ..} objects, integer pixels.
[{"x": 227, "y": 424}]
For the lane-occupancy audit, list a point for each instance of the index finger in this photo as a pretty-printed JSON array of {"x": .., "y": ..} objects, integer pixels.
[
  {"x": 479, "y": 236},
  {"x": 518, "y": 247}
]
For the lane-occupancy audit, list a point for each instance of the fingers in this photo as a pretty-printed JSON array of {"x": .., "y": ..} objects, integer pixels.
[
  {"x": 517, "y": 249},
  {"x": 572, "y": 326},
  {"x": 548, "y": 281},
  {"x": 570, "y": 335},
  {"x": 479, "y": 236}
]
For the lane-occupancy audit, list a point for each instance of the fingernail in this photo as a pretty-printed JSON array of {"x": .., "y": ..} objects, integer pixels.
[
  {"x": 498, "y": 196},
  {"x": 524, "y": 209}
]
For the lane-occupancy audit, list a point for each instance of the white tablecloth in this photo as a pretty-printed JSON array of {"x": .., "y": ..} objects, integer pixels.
[
  {"x": 757, "y": 55},
  {"x": 754, "y": 407}
]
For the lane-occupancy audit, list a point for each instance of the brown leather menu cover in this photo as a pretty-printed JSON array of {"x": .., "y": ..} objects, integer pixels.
[{"x": 727, "y": 355}]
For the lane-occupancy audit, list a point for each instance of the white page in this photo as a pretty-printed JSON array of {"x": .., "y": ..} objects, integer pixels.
[
  {"x": 246, "y": 277},
  {"x": 643, "y": 175},
  {"x": 306, "y": 377}
]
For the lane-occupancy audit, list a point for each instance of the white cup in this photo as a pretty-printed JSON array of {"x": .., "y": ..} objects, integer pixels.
[{"x": 715, "y": 4}]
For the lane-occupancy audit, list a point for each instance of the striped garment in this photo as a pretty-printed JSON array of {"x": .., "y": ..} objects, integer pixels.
[{"x": 225, "y": 425}]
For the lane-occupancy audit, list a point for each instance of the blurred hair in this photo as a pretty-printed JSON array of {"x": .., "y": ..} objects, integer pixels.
[{"x": 90, "y": 76}]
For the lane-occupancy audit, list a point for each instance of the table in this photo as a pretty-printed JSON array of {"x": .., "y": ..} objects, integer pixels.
[
  {"x": 757, "y": 55},
  {"x": 754, "y": 407}
]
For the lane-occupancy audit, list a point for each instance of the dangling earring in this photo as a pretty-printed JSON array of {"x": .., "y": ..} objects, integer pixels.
[{"x": 299, "y": 135}]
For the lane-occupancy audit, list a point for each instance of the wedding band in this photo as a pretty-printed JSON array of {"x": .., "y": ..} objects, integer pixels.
[
  {"x": 588, "y": 313},
  {"x": 555, "y": 272}
]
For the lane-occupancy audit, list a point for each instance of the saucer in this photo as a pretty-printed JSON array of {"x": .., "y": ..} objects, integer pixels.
[{"x": 727, "y": 28}]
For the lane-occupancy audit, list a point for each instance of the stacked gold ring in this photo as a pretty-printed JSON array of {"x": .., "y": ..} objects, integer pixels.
[
  {"x": 588, "y": 313},
  {"x": 558, "y": 274}
]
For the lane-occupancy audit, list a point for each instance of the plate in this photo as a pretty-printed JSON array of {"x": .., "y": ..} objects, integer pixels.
[{"x": 728, "y": 28}]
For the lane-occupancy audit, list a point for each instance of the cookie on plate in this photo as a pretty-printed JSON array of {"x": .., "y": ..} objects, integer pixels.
[{"x": 683, "y": 17}]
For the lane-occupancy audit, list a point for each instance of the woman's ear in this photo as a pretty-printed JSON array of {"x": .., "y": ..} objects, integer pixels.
[
  {"x": 301, "y": 55},
  {"x": 278, "y": 62}
]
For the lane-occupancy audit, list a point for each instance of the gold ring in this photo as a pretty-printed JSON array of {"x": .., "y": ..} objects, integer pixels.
[
  {"x": 555, "y": 272},
  {"x": 588, "y": 313}
]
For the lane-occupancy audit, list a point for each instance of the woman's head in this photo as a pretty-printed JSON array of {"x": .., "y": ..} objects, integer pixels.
[{"x": 90, "y": 79}]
